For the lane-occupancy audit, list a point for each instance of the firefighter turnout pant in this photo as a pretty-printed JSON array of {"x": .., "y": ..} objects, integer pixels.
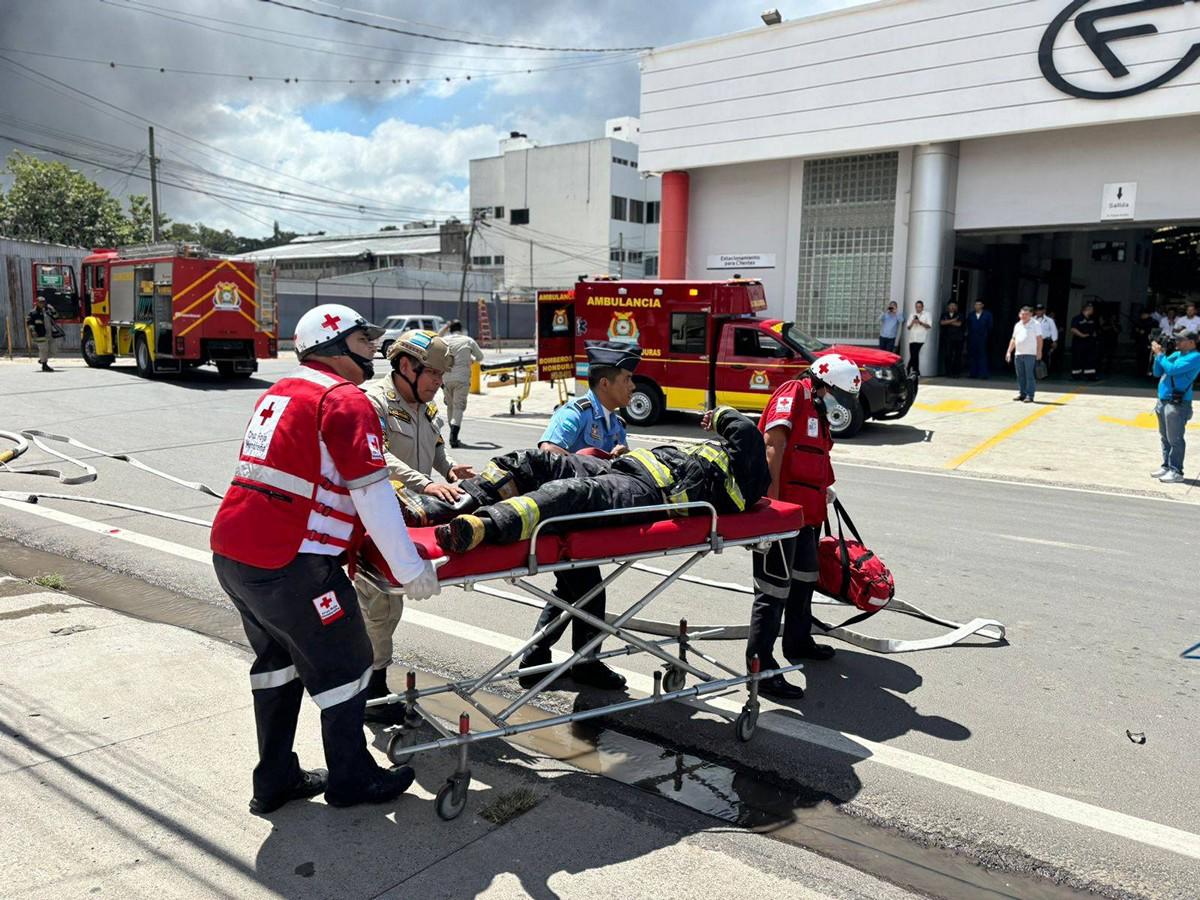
[
  {"x": 304, "y": 626},
  {"x": 456, "y": 395},
  {"x": 784, "y": 578}
]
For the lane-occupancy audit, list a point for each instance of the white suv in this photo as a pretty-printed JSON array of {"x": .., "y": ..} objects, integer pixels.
[{"x": 397, "y": 325}]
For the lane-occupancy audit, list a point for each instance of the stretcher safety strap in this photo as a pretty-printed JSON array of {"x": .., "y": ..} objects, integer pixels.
[
  {"x": 262, "y": 681},
  {"x": 720, "y": 459},
  {"x": 343, "y": 692},
  {"x": 527, "y": 509}
]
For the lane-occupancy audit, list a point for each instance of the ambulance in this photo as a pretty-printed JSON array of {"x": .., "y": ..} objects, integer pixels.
[
  {"x": 169, "y": 307},
  {"x": 704, "y": 344}
]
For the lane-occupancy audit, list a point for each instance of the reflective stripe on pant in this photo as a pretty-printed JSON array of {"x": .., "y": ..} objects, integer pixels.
[
  {"x": 381, "y": 614},
  {"x": 295, "y": 651},
  {"x": 784, "y": 578},
  {"x": 455, "y": 396}
]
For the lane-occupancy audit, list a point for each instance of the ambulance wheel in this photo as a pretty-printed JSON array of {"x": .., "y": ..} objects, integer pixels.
[
  {"x": 645, "y": 406},
  {"x": 674, "y": 680},
  {"x": 87, "y": 349},
  {"x": 141, "y": 356},
  {"x": 452, "y": 799},
  {"x": 846, "y": 423},
  {"x": 744, "y": 727}
]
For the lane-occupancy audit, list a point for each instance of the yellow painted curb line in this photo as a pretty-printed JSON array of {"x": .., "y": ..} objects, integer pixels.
[{"x": 1009, "y": 432}]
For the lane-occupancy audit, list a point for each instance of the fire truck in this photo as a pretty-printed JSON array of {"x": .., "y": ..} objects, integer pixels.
[
  {"x": 704, "y": 344},
  {"x": 169, "y": 307}
]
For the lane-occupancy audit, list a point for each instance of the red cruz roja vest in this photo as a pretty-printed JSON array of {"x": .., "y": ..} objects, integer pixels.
[
  {"x": 806, "y": 471},
  {"x": 264, "y": 517}
]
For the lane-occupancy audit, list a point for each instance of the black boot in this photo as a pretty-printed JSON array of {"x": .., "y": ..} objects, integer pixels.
[
  {"x": 387, "y": 713},
  {"x": 46, "y": 367},
  {"x": 454, "y": 442}
]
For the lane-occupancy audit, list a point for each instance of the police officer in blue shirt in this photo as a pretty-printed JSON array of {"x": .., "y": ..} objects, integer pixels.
[{"x": 589, "y": 421}]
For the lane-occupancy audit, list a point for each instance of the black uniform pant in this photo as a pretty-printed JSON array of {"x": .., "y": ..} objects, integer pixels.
[
  {"x": 1085, "y": 354},
  {"x": 951, "y": 348},
  {"x": 914, "y": 358},
  {"x": 784, "y": 578},
  {"x": 295, "y": 649}
]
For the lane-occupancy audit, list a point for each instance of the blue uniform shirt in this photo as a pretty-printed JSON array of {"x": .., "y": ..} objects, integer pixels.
[
  {"x": 1176, "y": 373},
  {"x": 580, "y": 424}
]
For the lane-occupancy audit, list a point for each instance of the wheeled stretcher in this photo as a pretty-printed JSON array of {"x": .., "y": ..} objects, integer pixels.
[
  {"x": 694, "y": 536},
  {"x": 629, "y": 548}
]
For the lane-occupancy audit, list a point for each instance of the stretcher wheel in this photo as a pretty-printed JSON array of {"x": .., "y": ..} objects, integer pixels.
[
  {"x": 405, "y": 737},
  {"x": 452, "y": 799},
  {"x": 674, "y": 680},
  {"x": 747, "y": 721}
]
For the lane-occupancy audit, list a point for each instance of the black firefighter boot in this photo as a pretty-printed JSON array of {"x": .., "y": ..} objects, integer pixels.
[
  {"x": 454, "y": 441},
  {"x": 387, "y": 713},
  {"x": 422, "y": 510}
]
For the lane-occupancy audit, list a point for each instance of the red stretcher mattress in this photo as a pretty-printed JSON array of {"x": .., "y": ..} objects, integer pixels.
[{"x": 766, "y": 517}]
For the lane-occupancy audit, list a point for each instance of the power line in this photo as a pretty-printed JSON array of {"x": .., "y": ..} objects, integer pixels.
[{"x": 450, "y": 40}]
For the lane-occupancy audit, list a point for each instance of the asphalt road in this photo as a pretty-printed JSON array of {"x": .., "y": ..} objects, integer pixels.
[{"x": 1015, "y": 754}]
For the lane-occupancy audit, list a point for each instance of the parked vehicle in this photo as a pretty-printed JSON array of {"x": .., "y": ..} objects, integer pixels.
[
  {"x": 397, "y": 325},
  {"x": 703, "y": 344},
  {"x": 169, "y": 307}
]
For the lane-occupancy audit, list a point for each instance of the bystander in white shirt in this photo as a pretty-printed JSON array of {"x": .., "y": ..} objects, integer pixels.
[
  {"x": 1191, "y": 323},
  {"x": 1025, "y": 336},
  {"x": 1049, "y": 328}
]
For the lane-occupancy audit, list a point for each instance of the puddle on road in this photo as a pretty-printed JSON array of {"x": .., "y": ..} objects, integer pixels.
[{"x": 791, "y": 813}]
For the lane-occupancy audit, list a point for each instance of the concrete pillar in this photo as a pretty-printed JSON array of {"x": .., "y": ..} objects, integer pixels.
[
  {"x": 930, "y": 240},
  {"x": 673, "y": 226}
]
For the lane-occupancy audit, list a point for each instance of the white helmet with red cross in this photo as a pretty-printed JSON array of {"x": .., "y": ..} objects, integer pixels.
[
  {"x": 328, "y": 323},
  {"x": 839, "y": 374}
]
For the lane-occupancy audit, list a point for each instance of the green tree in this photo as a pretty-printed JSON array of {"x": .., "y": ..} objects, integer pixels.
[
  {"x": 137, "y": 228},
  {"x": 49, "y": 201}
]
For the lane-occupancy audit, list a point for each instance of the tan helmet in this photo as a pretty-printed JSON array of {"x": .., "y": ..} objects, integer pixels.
[{"x": 425, "y": 347}]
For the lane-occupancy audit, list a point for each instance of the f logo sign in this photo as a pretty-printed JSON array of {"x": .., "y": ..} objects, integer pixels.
[{"x": 1100, "y": 41}]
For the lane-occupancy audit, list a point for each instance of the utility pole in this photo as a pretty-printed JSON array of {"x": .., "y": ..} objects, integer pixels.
[
  {"x": 462, "y": 288},
  {"x": 621, "y": 255},
  {"x": 155, "y": 233}
]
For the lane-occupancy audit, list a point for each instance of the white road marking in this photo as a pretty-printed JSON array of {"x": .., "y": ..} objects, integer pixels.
[
  {"x": 1063, "y": 544},
  {"x": 1065, "y": 809}
]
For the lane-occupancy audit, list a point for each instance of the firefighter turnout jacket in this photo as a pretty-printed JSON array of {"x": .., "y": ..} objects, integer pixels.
[
  {"x": 312, "y": 439},
  {"x": 807, "y": 472},
  {"x": 414, "y": 446},
  {"x": 518, "y": 490}
]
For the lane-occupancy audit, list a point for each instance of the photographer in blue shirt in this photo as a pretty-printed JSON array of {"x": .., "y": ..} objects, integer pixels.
[{"x": 1176, "y": 373}]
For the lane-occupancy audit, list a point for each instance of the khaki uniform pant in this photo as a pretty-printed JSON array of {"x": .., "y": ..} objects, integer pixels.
[
  {"x": 43, "y": 345},
  {"x": 456, "y": 401},
  {"x": 381, "y": 614}
]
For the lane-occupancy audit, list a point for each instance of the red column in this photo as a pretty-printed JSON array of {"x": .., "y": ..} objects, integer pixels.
[{"x": 673, "y": 227}]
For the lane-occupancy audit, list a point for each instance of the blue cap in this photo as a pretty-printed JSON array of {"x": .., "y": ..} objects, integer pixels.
[{"x": 613, "y": 353}]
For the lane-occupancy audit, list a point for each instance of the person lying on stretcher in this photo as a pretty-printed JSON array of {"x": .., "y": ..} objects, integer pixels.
[{"x": 504, "y": 503}]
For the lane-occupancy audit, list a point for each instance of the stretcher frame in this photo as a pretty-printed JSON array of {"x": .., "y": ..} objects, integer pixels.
[{"x": 670, "y": 682}]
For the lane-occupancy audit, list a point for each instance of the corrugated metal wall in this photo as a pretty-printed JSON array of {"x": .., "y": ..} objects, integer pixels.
[{"x": 16, "y": 290}]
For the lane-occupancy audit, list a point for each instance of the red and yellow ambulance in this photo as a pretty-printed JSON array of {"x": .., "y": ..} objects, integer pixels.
[{"x": 704, "y": 344}]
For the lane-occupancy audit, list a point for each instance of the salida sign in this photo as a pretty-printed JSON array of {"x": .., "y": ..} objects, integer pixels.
[{"x": 1101, "y": 40}]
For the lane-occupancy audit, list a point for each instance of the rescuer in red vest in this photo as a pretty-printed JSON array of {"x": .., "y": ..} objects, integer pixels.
[
  {"x": 796, "y": 429},
  {"x": 310, "y": 481}
]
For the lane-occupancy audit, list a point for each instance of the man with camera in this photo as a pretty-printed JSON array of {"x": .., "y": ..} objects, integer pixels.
[{"x": 1176, "y": 363}]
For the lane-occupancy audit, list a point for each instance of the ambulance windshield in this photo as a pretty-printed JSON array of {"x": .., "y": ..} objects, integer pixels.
[{"x": 797, "y": 338}]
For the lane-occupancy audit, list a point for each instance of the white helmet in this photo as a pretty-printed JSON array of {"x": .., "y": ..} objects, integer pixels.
[
  {"x": 838, "y": 374},
  {"x": 327, "y": 323}
]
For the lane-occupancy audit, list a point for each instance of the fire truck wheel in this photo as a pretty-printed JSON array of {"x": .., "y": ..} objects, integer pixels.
[
  {"x": 141, "y": 356},
  {"x": 646, "y": 404},
  {"x": 226, "y": 369},
  {"x": 87, "y": 349},
  {"x": 846, "y": 423}
]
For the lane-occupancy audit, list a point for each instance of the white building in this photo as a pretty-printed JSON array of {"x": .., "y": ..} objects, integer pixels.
[
  {"x": 909, "y": 150},
  {"x": 549, "y": 214}
]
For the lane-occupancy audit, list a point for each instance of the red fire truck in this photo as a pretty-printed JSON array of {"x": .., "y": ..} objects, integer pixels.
[
  {"x": 168, "y": 306},
  {"x": 703, "y": 344}
]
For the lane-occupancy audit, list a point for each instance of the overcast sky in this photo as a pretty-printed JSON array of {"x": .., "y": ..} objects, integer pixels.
[{"x": 399, "y": 148}]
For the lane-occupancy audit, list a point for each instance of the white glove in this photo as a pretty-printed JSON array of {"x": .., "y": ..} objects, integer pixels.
[
  {"x": 426, "y": 584},
  {"x": 830, "y": 495}
]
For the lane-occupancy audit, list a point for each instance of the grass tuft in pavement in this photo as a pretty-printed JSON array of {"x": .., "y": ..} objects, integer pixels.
[
  {"x": 54, "y": 581},
  {"x": 509, "y": 805}
]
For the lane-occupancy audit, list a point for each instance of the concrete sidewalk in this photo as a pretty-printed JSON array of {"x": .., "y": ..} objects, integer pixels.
[{"x": 125, "y": 753}]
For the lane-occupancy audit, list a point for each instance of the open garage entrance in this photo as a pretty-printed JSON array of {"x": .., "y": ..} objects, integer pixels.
[{"x": 1122, "y": 271}]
